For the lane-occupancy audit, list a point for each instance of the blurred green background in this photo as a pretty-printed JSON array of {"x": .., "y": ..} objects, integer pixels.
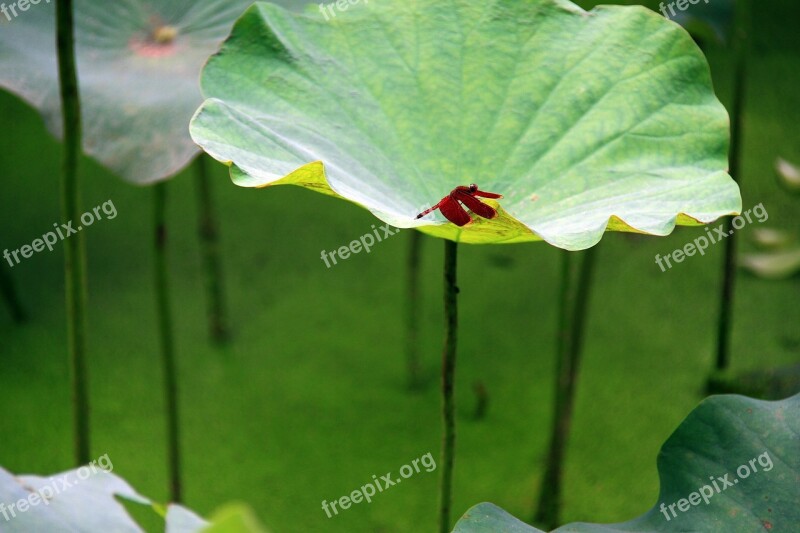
[{"x": 308, "y": 400}]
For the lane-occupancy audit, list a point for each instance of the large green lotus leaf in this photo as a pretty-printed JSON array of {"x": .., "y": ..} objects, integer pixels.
[
  {"x": 754, "y": 445},
  {"x": 80, "y": 500},
  {"x": 139, "y": 64},
  {"x": 585, "y": 121}
]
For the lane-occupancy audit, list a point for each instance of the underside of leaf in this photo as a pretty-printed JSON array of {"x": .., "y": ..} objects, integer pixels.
[{"x": 584, "y": 121}]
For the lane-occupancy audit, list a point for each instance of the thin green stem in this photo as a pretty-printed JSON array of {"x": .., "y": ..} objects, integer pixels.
[
  {"x": 10, "y": 295},
  {"x": 412, "y": 312},
  {"x": 164, "y": 313},
  {"x": 448, "y": 378},
  {"x": 576, "y": 280},
  {"x": 212, "y": 261},
  {"x": 725, "y": 317},
  {"x": 74, "y": 247}
]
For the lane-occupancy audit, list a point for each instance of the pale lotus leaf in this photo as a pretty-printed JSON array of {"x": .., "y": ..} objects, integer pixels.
[{"x": 138, "y": 64}]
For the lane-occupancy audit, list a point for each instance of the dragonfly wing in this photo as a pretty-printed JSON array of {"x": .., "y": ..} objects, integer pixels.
[
  {"x": 487, "y": 194},
  {"x": 451, "y": 209},
  {"x": 477, "y": 207}
]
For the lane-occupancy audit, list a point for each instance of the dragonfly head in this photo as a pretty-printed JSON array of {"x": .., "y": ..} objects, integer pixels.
[{"x": 472, "y": 187}]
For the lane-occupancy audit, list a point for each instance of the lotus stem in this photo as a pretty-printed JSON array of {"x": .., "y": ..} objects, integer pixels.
[
  {"x": 74, "y": 247},
  {"x": 164, "y": 316},
  {"x": 210, "y": 249},
  {"x": 725, "y": 317},
  {"x": 448, "y": 377},
  {"x": 576, "y": 280}
]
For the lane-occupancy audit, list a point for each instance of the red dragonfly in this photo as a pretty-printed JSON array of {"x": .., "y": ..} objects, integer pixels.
[{"x": 452, "y": 210}]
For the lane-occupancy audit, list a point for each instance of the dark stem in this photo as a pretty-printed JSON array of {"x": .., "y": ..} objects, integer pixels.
[
  {"x": 164, "y": 315},
  {"x": 576, "y": 280},
  {"x": 10, "y": 296},
  {"x": 725, "y": 318},
  {"x": 448, "y": 376},
  {"x": 210, "y": 249},
  {"x": 412, "y": 325},
  {"x": 74, "y": 247}
]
